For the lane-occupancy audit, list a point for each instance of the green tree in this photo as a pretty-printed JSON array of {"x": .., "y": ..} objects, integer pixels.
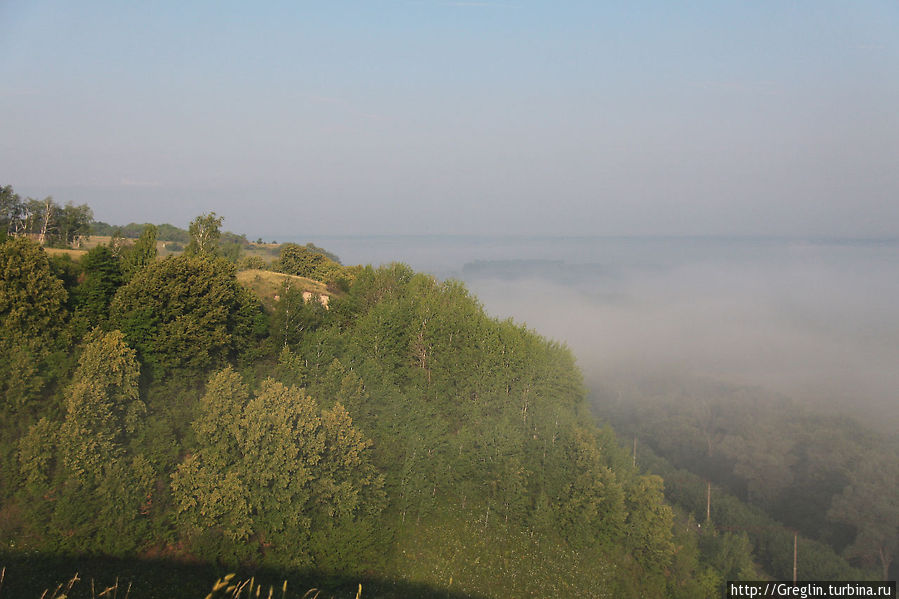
[
  {"x": 291, "y": 368},
  {"x": 275, "y": 468},
  {"x": 221, "y": 411},
  {"x": 230, "y": 251},
  {"x": 329, "y": 255},
  {"x": 186, "y": 315},
  {"x": 37, "y": 452},
  {"x": 84, "y": 487},
  {"x": 205, "y": 231},
  {"x": 209, "y": 486},
  {"x": 102, "y": 278},
  {"x": 305, "y": 262},
  {"x": 117, "y": 243},
  {"x": 690, "y": 575},
  {"x": 337, "y": 384},
  {"x": 348, "y": 497},
  {"x": 12, "y": 211},
  {"x": 252, "y": 262},
  {"x": 593, "y": 503},
  {"x": 102, "y": 404},
  {"x": 73, "y": 223},
  {"x": 173, "y": 233},
  {"x": 730, "y": 554},
  {"x": 52, "y": 224},
  {"x": 294, "y": 316},
  {"x": 32, "y": 317},
  {"x": 869, "y": 504},
  {"x": 142, "y": 253},
  {"x": 649, "y": 523}
]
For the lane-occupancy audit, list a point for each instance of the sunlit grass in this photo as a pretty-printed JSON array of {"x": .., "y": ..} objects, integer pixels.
[
  {"x": 267, "y": 285},
  {"x": 64, "y": 589},
  {"x": 226, "y": 587}
]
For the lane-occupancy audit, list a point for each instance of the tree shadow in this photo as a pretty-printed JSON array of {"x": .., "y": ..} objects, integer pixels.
[{"x": 28, "y": 575}]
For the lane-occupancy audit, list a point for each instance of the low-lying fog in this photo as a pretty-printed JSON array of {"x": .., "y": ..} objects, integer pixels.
[{"x": 816, "y": 321}]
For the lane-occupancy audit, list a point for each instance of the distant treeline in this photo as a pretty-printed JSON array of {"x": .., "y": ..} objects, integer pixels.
[
  {"x": 306, "y": 260},
  {"x": 829, "y": 477},
  {"x": 164, "y": 232},
  {"x": 44, "y": 220}
]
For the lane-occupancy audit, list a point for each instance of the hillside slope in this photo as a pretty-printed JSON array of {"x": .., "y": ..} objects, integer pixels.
[{"x": 400, "y": 434}]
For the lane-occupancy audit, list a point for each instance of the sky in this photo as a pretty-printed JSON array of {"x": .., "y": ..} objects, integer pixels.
[{"x": 459, "y": 117}]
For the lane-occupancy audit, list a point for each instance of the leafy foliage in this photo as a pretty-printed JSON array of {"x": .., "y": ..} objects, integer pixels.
[
  {"x": 185, "y": 315},
  {"x": 102, "y": 278},
  {"x": 134, "y": 231},
  {"x": 808, "y": 470},
  {"x": 205, "y": 231},
  {"x": 43, "y": 220},
  {"x": 102, "y": 404},
  {"x": 32, "y": 317},
  {"x": 868, "y": 503},
  {"x": 305, "y": 261},
  {"x": 142, "y": 253},
  {"x": 276, "y": 468},
  {"x": 98, "y": 487}
]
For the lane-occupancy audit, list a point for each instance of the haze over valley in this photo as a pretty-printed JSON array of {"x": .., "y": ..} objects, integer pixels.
[{"x": 813, "y": 320}]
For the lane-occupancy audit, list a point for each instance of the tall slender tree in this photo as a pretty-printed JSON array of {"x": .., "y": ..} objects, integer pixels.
[{"x": 205, "y": 231}]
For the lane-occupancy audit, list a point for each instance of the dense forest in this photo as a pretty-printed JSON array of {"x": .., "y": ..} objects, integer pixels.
[
  {"x": 189, "y": 397},
  {"x": 824, "y": 475}
]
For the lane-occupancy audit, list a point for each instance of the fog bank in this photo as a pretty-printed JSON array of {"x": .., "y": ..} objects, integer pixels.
[
  {"x": 816, "y": 321},
  {"x": 819, "y": 324}
]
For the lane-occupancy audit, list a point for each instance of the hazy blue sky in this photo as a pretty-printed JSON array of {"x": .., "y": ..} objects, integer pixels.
[{"x": 763, "y": 117}]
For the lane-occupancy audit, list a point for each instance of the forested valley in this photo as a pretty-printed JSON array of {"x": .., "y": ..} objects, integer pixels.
[{"x": 191, "y": 402}]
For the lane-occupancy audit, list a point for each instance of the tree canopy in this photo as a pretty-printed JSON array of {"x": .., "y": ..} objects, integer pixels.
[
  {"x": 205, "y": 232},
  {"x": 185, "y": 314},
  {"x": 277, "y": 467},
  {"x": 44, "y": 220},
  {"x": 32, "y": 316}
]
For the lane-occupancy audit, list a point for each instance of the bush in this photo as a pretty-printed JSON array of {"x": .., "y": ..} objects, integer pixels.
[{"x": 252, "y": 262}]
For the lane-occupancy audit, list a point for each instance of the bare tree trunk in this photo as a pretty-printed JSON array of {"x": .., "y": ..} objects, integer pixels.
[
  {"x": 47, "y": 213},
  {"x": 885, "y": 561},
  {"x": 635, "y": 450}
]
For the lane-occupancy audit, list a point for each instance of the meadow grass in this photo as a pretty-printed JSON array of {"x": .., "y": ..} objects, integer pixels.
[
  {"x": 267, "y": 284},
  {"x": 226, "y": 587}
]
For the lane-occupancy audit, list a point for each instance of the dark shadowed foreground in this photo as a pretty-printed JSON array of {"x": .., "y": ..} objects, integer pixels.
[{"x": 28, "y": 576}]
